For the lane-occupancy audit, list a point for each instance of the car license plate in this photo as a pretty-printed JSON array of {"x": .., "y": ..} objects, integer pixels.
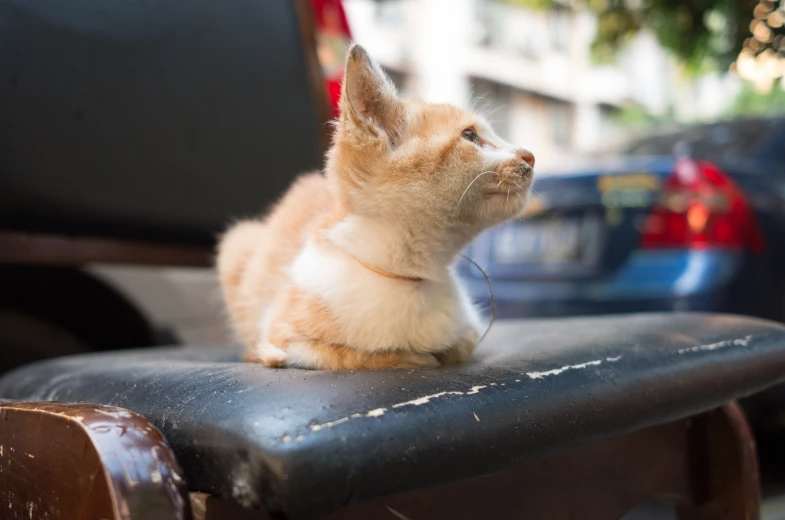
[{"x": 552, "y": 240}]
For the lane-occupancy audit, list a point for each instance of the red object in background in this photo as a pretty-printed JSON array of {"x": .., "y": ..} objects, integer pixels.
[
  {"x": 324, "y": 20},
  {"x": 334, "y": 93},
  {"x": 333, "y": 38},
  {"x": 701, "y": 208}
]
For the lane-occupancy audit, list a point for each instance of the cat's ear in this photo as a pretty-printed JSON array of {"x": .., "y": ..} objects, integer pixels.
[{"x": 368, "y": 97}]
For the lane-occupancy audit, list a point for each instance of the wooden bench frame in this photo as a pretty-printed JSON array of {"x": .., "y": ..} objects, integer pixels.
[
  {"x": 84, "y": 462},
  {"x": 81, "y": 461}
]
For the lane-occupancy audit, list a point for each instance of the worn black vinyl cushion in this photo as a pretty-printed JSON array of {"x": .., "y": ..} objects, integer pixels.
[{"x": 307, "y": 443}]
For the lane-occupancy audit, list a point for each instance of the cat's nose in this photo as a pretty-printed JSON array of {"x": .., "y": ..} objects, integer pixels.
[{"x": 526, "y": 156}]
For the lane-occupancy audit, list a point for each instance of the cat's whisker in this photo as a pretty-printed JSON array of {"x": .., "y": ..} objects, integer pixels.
[
  {"x": 470, "y": 185},
  {"x": 476, "y": 100},
  {"x": 489, "y": 114},
  {"x": 485, "y": 113}
]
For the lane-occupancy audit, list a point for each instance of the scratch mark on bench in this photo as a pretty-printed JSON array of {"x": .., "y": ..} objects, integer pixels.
[
  {"x": 330, "y": 424},
  {"x": 741, "y": 342},
  {"x": 378, "y": 412},
  {"x": 557, "y": 371}
]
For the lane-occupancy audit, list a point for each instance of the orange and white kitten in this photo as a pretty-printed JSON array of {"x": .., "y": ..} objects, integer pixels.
[{"x": 351, "y": 269}]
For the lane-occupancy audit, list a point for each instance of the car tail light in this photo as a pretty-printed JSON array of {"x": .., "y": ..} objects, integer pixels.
[
  {"x": 333, "y": 38},
  {"x": 700, "y": 207}
]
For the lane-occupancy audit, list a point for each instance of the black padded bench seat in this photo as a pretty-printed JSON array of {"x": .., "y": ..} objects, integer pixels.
[{"x": 306, "y": 443}]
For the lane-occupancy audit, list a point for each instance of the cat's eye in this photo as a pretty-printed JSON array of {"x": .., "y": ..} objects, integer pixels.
[{"x": 470, "y": 135}]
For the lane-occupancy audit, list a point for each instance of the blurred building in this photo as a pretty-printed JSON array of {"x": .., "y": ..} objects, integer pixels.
[{"x": 530, "y": 71}]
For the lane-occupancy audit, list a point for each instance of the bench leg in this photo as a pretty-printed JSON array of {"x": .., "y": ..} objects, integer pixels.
[
  {"x": 83, "y": 462},
  {"x": 724, "y": 468}
]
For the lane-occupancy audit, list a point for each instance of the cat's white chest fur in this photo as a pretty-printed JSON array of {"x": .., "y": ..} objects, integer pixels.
[{"x": 376, "y": 313}]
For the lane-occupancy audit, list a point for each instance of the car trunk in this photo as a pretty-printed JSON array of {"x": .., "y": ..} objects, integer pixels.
[{"x": 580, "y": 223}]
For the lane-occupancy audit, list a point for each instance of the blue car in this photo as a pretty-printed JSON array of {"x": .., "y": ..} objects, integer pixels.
[{"x": 689, "y": 220}]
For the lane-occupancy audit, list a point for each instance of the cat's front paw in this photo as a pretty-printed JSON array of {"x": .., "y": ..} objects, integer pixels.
[
  {"x": 462, "y": 351},
  {"x": 268, "y": 355},
  {"x": 413, "y": 360}
]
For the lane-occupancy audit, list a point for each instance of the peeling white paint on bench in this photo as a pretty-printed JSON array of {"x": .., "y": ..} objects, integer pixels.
[
  {"x": 378, "y": 412},
  {"x": 427, "y": 399},
  {"x": 557, "y": 371},
  {"x": 740, "y": 342},
  {"x": 580, "y": 366},
  {"x": 330, "y": 424}
]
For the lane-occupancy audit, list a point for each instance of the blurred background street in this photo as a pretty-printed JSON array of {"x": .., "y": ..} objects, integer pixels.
[{"x": 554, "y": 79}]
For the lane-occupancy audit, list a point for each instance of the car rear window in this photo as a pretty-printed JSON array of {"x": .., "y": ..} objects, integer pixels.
[{"x": 714, "y": 142}]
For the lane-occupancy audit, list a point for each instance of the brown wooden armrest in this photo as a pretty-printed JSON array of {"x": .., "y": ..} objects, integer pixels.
[{"x": 81, "y": 462}]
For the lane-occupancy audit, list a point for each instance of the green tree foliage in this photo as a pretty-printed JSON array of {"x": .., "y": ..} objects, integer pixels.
[
  {"x": 635, "y": 116},
  {"x": 703, "y": 33},
  {"x": 750, "y": 102}
]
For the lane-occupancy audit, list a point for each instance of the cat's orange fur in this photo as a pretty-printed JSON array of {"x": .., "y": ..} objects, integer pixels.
[{"x": 350, "y": 270}]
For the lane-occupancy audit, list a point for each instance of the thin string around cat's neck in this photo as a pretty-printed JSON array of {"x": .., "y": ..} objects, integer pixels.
[{"x": 490, "y": 291}]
